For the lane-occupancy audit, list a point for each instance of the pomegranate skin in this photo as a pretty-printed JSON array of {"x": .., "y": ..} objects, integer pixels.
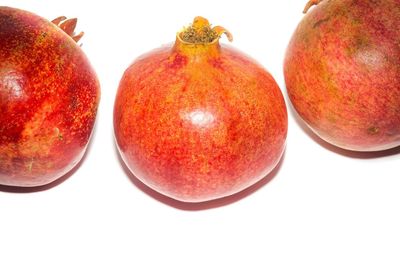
[
  {"x": 49, "y": 95},
  {"x": 342, "y": 73},
  {"x": 198, "y": 122}
]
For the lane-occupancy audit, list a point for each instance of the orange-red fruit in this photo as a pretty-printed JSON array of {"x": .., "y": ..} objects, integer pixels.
[
  {"x": 199, "y": 121},
  {"x": 49, "y": 95},
  {"x": 342, "y": 72}
]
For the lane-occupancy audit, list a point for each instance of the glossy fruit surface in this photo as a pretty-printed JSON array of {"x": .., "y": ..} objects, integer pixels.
[
  {"x": 197, "y": 120},
  {"x": 342, "y": 72},
  {"x": 49, "y": 95}
]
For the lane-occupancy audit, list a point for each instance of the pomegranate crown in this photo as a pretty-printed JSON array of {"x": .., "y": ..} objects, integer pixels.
[
  {"x": 68, "y": 26},
  {"x": 200, "y": 32},
  {"x": 310, "y": 4}
]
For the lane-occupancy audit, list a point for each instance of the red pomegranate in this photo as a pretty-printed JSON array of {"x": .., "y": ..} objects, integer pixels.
[
  {"x": 342, "y": 72},
  {"x": 196, "y": 120},
  {"x": 49, "y": 95}
]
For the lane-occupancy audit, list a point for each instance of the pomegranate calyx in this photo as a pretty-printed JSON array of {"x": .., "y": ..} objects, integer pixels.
[
  {"x": 57, "y": 20},
  {"x": 310, "y": 4},
  {"x": 200, "y": 32},
  {"x": 68, "y": 26},
  {"x": 221, "y": 30}
]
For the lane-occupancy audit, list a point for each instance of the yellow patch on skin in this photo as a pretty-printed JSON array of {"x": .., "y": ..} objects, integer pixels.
[
  {"x": 36, "y": 142},
  {"x": 41, "y": 39},
  {"x": 58, "y": 134},
  {"x": 30, "y": 165},
  {"x": 220, "y": 135},
  {"x": 35, "y": 137},
  {"x": 204, "y": 168},
  {"x": 373, "y": 130}
]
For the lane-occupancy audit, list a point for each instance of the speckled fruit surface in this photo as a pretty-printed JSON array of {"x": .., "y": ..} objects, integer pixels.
[
  {"x": 199, "y": 121},
  {"x": 342, "y": 72},
  {"x": 49, "y": 95}
]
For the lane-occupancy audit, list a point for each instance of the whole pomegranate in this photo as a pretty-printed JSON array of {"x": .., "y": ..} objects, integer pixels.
[
  {"x": 342, "y": 72},
  {"x": 197, "y": 120},
  {"x": 49, "y": 95}
]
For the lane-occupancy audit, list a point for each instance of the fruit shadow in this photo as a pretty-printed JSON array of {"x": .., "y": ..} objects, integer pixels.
[
  {"x": 187, "y": 206},
  {"x": 62, "y": 179},
  {"x": 335, "y": 149}
]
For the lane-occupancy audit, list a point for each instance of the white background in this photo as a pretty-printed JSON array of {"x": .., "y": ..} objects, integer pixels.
[{"x": 322, "y": 207}]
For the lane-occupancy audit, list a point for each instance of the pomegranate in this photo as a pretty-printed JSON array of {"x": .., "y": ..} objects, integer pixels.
[
  {"x": 342, "y": 72},
  {"x": 49, "y": 95},
  {"x": 196, "y": 120}
]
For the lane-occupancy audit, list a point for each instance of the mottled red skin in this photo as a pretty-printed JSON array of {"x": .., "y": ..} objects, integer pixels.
[
  {"x": 49, "y": 95},
  {"x": 199, "y": 122},
  {"x": 342, "y": 72}
]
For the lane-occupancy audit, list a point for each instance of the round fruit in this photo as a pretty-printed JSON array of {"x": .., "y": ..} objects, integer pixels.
[
  {"x": 197, "y": 120},
  {"x": 342, "y": 72},
  {"x": 49, "y": 95}
]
